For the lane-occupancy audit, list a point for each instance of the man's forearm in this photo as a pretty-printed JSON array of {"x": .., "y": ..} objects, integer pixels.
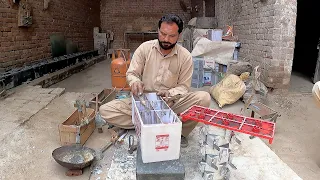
[
  {"x": 136, "y": 67},
  {"x": 132, "y": 78}
]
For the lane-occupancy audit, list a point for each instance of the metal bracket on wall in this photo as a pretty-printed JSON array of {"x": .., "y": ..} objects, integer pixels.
[
  {"x": 46, "y": 4},
  {"x": 24, "y": 15}
]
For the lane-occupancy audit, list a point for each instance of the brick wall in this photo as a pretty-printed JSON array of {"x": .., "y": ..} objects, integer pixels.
[
  {"x": 118, "y": 16},
  {"x": 73, "y": 18},
  {"x": 266, "y": 30}
]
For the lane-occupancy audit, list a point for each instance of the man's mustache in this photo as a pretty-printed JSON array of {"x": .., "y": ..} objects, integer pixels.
[{"x": 163, "y": 42}]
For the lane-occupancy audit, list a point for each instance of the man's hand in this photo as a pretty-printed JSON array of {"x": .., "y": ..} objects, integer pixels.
[
  {"x": 137, "y": 88},
  {"x": 166, "y": 95},
  {"x": 163, "y": 93}
]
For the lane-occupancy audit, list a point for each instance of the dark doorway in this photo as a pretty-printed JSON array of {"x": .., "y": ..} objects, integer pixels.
[
  {"x": 198, "y": 8},
  {"x": 307, "y": 37}
]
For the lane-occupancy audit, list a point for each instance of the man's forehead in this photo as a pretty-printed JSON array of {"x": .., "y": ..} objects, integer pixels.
[{"x": 170, "y": 27}]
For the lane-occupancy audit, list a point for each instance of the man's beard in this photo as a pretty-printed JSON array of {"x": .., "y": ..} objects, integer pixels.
[{"x": 166, "y": 45}]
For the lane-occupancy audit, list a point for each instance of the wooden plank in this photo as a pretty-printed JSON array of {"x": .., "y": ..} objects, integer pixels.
[
  {"x": 91, "y": 119},
  {"x": 68, "y": 130},
  {"x": 109, "y": 95},
  {"x": 62, "y": 136},
  {"x": 84, "y": 136},
  {"x": 103, "y": 97},
  {"x": 68, "y": 138},
  {"x": 65, "y": 139},
  {"x": 72, "y": 119},
  {"x": 71, "y": 138},
  {"x": 84, "y": 128}
]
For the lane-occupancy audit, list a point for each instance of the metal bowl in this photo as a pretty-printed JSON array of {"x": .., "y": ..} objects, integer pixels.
[{"x": 74, "y": 157}]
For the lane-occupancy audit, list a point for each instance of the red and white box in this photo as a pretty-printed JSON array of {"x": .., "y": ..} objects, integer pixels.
[{"x": 158, "y": 128}]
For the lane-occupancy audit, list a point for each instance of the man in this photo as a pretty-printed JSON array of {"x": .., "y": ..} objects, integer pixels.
[{"x": 164, "y": 67}]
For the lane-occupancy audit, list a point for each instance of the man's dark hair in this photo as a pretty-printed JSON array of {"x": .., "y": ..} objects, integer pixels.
[{"x": 172, "y": 18}]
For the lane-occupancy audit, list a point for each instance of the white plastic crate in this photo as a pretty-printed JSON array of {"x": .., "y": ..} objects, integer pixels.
[
  {"x": 197, "y": 79},
  {"x": 198, "y": 63},
  {"x": 158, "y": 128}
]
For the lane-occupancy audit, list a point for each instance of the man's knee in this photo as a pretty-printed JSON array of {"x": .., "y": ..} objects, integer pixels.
[
  {"x": 108, "y": 109},
  {"x": 103, "y": 108},
  {"x": 204, "y": 97}
]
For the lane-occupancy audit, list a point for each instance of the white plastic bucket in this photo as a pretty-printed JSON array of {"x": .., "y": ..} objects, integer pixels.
[{"x": 215, "y": 34}]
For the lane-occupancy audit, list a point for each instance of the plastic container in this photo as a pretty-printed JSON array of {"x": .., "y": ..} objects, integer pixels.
[
  {"x": 211, "y": 77},
  {"x": 197, "y": 79},
  {"x": 238, "y": 123},
  {"x": 158, "y": 128},
  {"x": 208, "y": 77},
  {"x": 215, "y": 34},
  {"x": 198, "y": 70},
  {"x": 198, "y": 63}
]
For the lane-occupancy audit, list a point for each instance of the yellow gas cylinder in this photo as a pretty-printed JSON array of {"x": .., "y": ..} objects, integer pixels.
[{"x": 119, "y": 67}]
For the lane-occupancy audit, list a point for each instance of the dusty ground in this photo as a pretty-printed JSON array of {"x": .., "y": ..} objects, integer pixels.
[
  {"x": 93, "y": 79},
  {"x": 298, "y": 129},
  {"x": 297, "y": 136},
  {"x": 27, "y": 147}
]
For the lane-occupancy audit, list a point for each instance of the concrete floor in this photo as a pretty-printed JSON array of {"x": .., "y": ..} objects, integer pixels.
[
  {"x": 92, "y": 79},
  {"x": 297, "y": 132},
  {"x": 297, "y": 135},
  {"x": 300, "y": 83},
  {"x": 27, "y": 147}
]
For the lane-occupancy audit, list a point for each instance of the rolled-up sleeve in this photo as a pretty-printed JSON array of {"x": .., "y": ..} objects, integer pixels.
[
  {"x": 185, "y": 77},
  {"x": 135, "y": 69}
]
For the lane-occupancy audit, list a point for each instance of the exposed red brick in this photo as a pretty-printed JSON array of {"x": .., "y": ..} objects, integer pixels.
[
  {"x": 75, "y": 19},
  {"x": 117, "y": 16},
  {"x": 263, "y": 39}
]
